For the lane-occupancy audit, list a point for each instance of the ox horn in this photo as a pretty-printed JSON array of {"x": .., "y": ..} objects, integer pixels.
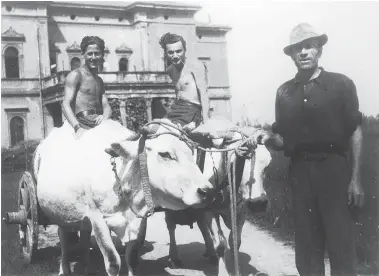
[{"x": 149, "y": 129}]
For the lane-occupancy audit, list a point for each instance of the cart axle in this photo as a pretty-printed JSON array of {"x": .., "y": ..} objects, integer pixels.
[{"x": 19, "y": 217}]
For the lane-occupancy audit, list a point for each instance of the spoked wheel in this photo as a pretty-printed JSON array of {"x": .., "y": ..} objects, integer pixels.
[{"x": 28, "y": 212}]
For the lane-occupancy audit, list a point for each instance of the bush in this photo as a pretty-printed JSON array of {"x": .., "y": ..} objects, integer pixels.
[{"x": 19, "y": 157}]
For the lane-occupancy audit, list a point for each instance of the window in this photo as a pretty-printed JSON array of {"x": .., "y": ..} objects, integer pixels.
[
  {"x": 75, "y": 63},
  {"x": 11, "y": 63},
  {"x": 16, "y": 126},
  {"x": 123, "y": 64}
]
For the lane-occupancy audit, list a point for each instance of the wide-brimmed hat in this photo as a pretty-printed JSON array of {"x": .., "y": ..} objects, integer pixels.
[{"x": 302, "y": 32}]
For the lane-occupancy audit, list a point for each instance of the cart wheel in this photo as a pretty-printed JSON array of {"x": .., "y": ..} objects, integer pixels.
[{"x": 27, "y": 201}]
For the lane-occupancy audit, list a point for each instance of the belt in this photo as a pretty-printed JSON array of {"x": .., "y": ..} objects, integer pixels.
[
  {"x": 187, "y": 102},
  {"x": 317, "y": 151},
  {"x": 89, "y": 112}
]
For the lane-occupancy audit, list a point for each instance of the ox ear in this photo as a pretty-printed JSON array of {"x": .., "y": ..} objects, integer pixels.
[
  {"x": 111, "y": 152},
  {"x": 125, "y": 148}
]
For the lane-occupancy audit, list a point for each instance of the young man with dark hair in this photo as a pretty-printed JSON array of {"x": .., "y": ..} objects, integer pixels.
[
  {"x": 192, "y": 104},
  {"x": 84, "y": 104}
]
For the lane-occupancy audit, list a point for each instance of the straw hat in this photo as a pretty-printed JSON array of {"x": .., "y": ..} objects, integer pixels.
[{"x": 302, "y": 32}]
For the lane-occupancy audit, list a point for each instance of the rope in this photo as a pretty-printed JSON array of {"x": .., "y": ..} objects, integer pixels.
[{"x": 233, "y": 214}]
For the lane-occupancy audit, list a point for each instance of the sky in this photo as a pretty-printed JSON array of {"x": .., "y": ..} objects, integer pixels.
[{"x": 261, "y": 29}]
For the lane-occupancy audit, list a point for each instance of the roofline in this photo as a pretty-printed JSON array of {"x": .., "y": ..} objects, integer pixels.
[
  {"x": 210, "y": 27},
  {"x": 85, "y": 6},
  {"x": 129, "y": 7},
  {"x": 163, "y": 5}
]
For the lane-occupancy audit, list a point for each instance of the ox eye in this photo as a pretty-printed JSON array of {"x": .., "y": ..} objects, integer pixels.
[{"x": 165, "y": 155}]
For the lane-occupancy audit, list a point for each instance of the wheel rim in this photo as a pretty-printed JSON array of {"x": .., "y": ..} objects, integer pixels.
[{"x": 28, "y": 233}]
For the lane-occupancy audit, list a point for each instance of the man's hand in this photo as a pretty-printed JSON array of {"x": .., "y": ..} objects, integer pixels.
[
  {"x": 356, "y": 197},
  {"x": 245, "y": 151},
  {"x": 189, "y": 127},
  {"x": 99, "y": 119},
  {"x": 79, "y": 133}
]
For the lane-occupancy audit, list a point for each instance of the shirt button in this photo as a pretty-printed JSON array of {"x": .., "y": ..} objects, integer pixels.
[{"x": 305, "y": 100}]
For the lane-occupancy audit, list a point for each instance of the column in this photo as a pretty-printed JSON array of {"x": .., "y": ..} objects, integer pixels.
[
  {"x": 144, "y": 38},
  {"x": 43, "y": 47},
  {"x": 148, "y": 109},
  {"x": 123, "y": 112},
  {"x": 49, "y": 122}
]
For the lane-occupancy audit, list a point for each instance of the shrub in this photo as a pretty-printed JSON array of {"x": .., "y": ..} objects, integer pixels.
[{"x": 19, "y": 157}]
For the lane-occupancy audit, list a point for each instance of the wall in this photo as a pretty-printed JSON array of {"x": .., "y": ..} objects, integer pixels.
[
  {"x": 24, "y": 19},
  {"x": 63, "y": 32},
  {"x": 33, "y": 129}
]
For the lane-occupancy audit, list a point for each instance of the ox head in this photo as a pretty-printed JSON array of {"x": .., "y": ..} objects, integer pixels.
[
  {"x": 175, "y": 179},
  {"x": 251, "y": 186}
]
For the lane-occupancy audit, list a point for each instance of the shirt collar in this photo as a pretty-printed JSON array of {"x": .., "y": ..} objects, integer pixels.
[{"x": 316, "y": 76}]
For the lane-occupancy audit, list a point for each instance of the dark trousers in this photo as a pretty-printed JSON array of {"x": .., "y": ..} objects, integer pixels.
[{"x": 322, "y": 218}]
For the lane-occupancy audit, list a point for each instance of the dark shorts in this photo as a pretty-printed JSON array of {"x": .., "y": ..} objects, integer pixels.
[
  {"x": 87, "y": 121},
  {"x": 184, "y": 112}
]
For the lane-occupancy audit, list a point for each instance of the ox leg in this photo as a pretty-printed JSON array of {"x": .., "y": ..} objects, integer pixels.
[
  {"x": 85, "y": 243},
  {"x": 64, "y": 268},
  {"x": 221, "y": 247},
  {"x": 241, "y": 217},
  {"x": 132, "y": 256},
  {"x": 173, "y": 261},
  {"x": 210, "y": 251},
  {"x": 103, "y": 238}
]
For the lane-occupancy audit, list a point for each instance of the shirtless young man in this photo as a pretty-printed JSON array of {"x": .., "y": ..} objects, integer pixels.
[
  {"x": 85, "y": 105},
  {"x": 192, "y": 104}
]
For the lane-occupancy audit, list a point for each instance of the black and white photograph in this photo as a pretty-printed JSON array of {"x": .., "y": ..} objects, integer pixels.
[{"x": 180, "y": 138}]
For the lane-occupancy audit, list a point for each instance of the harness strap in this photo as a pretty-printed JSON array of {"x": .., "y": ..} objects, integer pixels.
[{"x": 145, "y": 183}]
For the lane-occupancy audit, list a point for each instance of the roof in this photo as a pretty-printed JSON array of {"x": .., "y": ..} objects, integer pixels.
[
  {"x": 127, "y": 5},
  {"x": 213, "y": 27}
]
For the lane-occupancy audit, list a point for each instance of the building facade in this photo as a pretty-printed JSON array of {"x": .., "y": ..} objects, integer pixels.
[{"x": 40, "y": 46}]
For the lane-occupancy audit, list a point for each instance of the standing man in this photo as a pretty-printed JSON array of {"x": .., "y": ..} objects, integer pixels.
[
  {"x": 192, "y": 105},
  {"x": 317, "y": 123},
  {"x": 85, "y": 104}
]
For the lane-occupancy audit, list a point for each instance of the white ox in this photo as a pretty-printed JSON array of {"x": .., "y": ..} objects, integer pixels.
[
  {"x": 77, "y": 189},
  {"x": 250, "y": 195}
]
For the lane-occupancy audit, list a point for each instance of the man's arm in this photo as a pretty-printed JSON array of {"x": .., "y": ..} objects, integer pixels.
[
  {"x": 356, "y": 196},
  {"x": 275, "y": 141},
  {"x": 202, "y": 88},
  {"x": 70, "y": 91},
  {"x": 107, "y": 110},
  {"x": 353, "y": 120},
  {"x": 356, "y": 149}
]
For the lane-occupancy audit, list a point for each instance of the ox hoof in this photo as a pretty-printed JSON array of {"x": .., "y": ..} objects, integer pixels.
[{"x": 175, "y": 263}]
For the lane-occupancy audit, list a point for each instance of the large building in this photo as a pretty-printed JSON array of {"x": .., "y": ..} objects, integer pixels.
[{"x": 40, "y": 46}]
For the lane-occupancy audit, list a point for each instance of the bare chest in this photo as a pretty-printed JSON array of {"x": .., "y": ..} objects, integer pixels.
[
  {"x": 185, "y": 82},
  {"x": 91, "y": 86}
]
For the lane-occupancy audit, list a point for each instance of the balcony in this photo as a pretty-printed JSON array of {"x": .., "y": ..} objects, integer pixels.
[
  {"x": 121, "y": 85},
  {"x": 17, "y": 87}
]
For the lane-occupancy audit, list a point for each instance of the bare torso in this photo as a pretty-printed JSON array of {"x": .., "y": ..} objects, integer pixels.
[
  {"x": 185, "y": 84},
  {"x": 89, "y": 93}
]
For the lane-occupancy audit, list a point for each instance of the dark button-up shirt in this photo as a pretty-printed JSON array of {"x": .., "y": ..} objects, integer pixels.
[{"x": 316, "y": 116}]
